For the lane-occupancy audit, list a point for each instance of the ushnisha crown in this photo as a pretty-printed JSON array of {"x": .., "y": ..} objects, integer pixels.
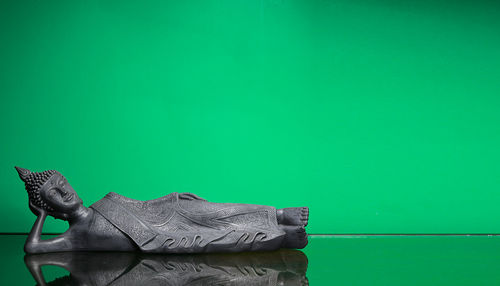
[{"x": 33, "y": 182}]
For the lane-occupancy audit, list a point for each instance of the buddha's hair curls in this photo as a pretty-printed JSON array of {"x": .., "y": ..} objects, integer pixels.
[{"x": 33, "y": 182}]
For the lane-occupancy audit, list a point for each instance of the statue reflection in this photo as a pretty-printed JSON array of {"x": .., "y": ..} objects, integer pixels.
[{"x": 282, "y": 267}]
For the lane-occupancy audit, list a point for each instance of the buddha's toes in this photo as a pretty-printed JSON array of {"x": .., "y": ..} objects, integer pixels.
[
  {"x": 296, "y": 236},
  {"x": 304, "y": 215},
  {"x": 294, "y": 216}
]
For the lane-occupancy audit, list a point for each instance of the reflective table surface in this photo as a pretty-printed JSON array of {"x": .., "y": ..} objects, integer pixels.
[{"x": 327, "y": 260}]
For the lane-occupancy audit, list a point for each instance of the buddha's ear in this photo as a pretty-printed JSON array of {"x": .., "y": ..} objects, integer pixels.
[{"x": 23, "y": 173}]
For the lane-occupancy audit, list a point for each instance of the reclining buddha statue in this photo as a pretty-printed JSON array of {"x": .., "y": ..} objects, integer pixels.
[{"x": 175, "y": 223}]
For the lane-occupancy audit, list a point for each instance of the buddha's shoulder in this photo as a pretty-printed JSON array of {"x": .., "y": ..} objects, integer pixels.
[{"x": 100, "y": 225}]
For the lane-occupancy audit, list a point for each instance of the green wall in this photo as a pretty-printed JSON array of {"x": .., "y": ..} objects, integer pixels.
[{"x": 381, "y": 116}]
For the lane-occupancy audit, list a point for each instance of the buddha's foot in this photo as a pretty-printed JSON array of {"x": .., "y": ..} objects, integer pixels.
[
  {"x": 296, "y": 236},
  {"x": 291, "y": 278},
  {"x": 293, "y": 216}
]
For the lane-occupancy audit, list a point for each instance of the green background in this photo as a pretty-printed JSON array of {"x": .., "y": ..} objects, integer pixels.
[{"x": 381, "y": 116}]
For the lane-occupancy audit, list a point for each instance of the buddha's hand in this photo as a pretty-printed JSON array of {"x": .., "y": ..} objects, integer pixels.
[{"x": 38, "y": 211}]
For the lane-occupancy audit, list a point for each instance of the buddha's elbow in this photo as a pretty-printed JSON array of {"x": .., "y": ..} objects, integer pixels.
[{"x": 32, "y": 248}]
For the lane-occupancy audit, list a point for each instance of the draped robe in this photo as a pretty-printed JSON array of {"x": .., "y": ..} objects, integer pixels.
[{"x": 184, "y": 222}]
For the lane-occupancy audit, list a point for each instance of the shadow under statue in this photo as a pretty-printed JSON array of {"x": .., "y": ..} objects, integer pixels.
[
  {"x": 175, "y": 223},
  {"x": 282, "y": 267}
]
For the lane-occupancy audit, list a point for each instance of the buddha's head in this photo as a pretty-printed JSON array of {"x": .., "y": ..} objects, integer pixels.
[{"x": 50, "y": 191}]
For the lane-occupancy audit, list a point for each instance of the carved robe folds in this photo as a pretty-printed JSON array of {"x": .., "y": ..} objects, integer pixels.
[{"x": 184, "y": 222}]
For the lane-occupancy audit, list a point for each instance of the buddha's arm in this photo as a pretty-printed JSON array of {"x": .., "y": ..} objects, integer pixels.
[{"x": 34, "y": 244}]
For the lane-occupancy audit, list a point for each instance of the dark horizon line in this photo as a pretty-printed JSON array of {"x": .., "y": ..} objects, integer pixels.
[
  {"x": 332, "y": 234},
  {"x": 405, "y": 234}
]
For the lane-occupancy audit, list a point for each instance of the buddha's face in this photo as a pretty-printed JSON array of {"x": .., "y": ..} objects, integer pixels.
[{"x": 59, "y": 194}]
